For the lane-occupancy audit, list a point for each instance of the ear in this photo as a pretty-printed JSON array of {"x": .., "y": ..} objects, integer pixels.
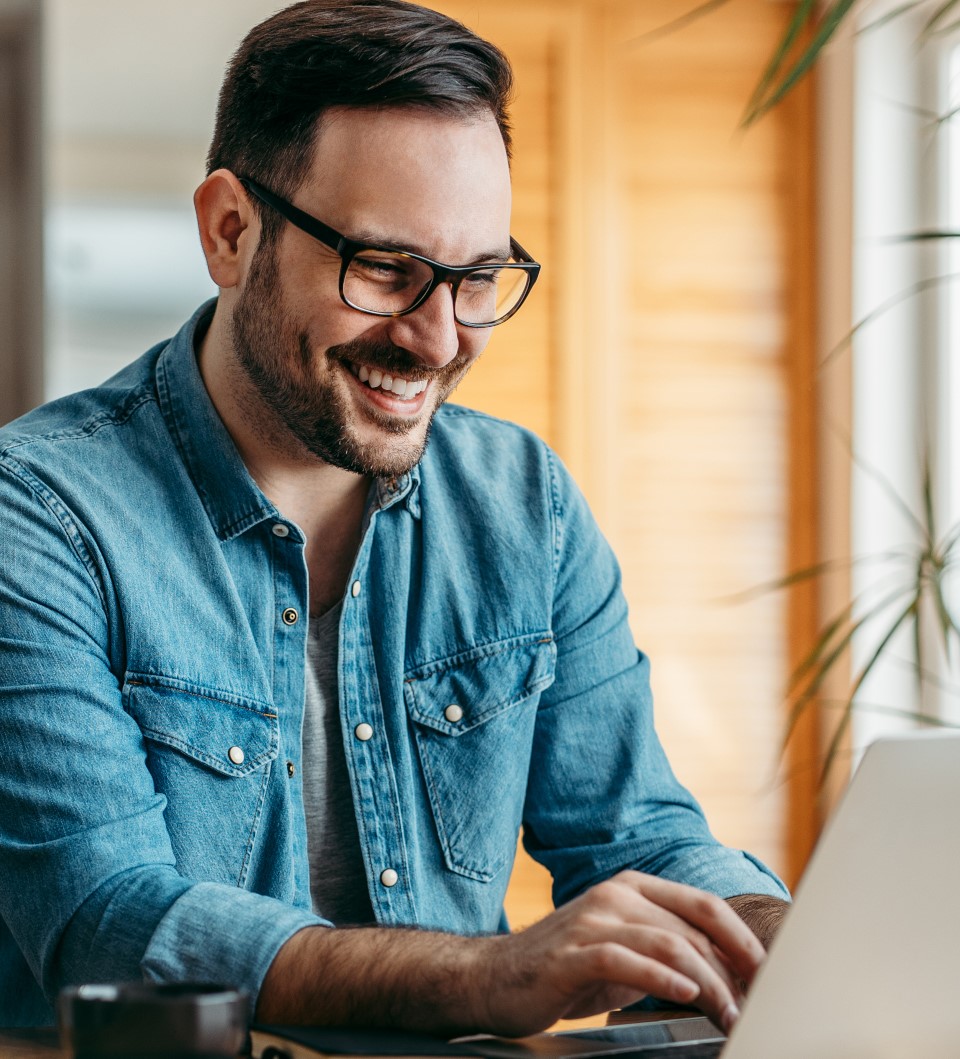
[{"x": 229, "y": 229}]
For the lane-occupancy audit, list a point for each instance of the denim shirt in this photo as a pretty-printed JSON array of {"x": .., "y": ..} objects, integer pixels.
[{"x": 153, "y": 607}]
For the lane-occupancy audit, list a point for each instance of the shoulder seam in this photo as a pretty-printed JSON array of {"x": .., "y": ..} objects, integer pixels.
[
  {"x": 52, "y": 502},
  {"x": 130, "y": 405}
]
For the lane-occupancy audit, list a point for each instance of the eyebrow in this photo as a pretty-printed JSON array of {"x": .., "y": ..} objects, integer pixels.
[{"x": 487, "y": 257}]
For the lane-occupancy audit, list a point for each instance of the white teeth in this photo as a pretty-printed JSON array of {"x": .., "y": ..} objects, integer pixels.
[{"x": 403, "y": 388}]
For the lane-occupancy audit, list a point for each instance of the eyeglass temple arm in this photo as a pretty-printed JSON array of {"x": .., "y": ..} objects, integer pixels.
[{"x": 327, "y": 235}]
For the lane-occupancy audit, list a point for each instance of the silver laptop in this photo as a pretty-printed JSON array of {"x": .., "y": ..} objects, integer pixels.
[
  {"x": 868, "y": 961},
  {"x": 867, "y": 964}
]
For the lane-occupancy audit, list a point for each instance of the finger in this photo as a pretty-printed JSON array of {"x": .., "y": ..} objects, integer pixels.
[
  {"x": 713, "y": 916},
  {"x": 680, "y": 946},
  {"x": 718, "y": 997},
  {"x": 611, "y": 963},
  {"x": 659, "y": 918},
  {"x": 614, "y": 963}
]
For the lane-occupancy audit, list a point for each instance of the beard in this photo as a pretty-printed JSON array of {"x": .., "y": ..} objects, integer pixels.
[{"x": 304, "y": 392}]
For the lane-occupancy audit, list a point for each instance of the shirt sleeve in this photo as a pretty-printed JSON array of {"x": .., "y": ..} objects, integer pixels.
[
  {"x": 88, "y": 882},
  {"x": 602, "y": 796}
]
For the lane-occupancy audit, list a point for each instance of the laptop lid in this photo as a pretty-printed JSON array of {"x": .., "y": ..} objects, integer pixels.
[{"x": 867, "y": 963}]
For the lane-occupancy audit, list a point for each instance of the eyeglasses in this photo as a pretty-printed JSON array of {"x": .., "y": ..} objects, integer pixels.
[{"x": 388, "y": 282}]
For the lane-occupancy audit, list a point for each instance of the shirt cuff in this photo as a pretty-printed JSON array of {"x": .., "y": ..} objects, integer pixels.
[{"x": 215, "y": 933}]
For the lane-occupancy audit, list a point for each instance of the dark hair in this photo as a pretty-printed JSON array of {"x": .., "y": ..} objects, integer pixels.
[{"x": 357, "y": 53}]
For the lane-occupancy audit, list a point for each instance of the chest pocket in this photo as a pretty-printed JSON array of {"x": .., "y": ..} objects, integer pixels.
[
  {"x": 210, "y": 758},
  {"x": 473, "y": 718}
]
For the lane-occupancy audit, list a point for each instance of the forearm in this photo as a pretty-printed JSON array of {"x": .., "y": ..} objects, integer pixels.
[
  {"x": 629, "y": 936},
  {"x": 377, "y": 976},
  {"x": 762, "y": 914}
]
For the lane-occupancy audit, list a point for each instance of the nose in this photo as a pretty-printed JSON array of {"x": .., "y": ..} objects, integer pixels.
[{"x": 430, "y": 332}]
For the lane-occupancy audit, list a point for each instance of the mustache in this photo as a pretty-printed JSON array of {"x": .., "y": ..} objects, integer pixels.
[{"x": 391, "y": 359}]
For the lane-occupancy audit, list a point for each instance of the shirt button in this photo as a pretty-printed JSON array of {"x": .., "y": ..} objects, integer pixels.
[
  {"x": 363, "y": 732},
  {"x": 236, "y": 755},
  {"x": 355, "y": 589},
  {"x": 291, "y": 769},
  {"x": 279, "y": 530},
  {"x": 453, "y": 713},
  {"x": 389, "y": 877},
  {"x": 290, "y": 616}
]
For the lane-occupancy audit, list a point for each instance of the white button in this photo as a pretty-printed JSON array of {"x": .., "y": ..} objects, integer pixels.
[
  {"x": 453, "y": 713},
  {"x": 355, "y": 589},
  {"x": 279, "y": 530},
  {"x": 363, "y": 732},
  {"x": 389, "y": 877},
  {"x": 236, "y": 755}
]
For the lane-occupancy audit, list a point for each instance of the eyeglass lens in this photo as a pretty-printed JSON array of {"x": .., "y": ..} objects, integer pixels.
[{"x": 384, "y": 282}]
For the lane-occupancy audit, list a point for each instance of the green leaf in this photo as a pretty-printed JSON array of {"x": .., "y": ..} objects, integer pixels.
[
  {"x": 945, "y": 31},
  {"x": 837, "y": 737},
  {"x": 806, "y": 10},
  {"x": 924, "y": 235},
  {"x": 889, "y": 16},
  {"x": 893, "y": 496},
  {"x": 950, "y": 114},
  {"x": 890, "y": 303},
  {"x": 765, "y": 96},
  {"x": 823, "y": 666},
  {"x": 939, "y": 15},
  {"x": 930, "y": 529},
  {"x": 679, "y": 23},
  {"x": 894, "y": 711}
]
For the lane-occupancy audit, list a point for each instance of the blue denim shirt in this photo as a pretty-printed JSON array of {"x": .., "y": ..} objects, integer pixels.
[{"x": 153, "y": 609}]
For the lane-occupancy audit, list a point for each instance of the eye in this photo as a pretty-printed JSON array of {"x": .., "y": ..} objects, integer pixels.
[
  {"x": 387, "y": 268},
  {"x": 482, "y": 280}
]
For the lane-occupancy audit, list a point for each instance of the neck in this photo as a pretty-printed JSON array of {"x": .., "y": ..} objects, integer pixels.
[{"x": 326, "y": 502}]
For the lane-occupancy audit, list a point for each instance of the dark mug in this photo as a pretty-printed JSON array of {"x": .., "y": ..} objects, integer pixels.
[{"x": 139, "y": 1021}]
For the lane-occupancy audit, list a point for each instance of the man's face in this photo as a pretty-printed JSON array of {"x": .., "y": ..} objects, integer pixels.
[{"x": 414, "y": 180}]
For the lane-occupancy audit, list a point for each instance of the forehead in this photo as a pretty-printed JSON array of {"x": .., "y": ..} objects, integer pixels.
[{"x": 438, "y": 183}]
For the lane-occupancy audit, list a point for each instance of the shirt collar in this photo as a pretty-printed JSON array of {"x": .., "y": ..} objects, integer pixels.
[
  {"x": 401, "y": 487},
  {"x": 231, "y": 498}
]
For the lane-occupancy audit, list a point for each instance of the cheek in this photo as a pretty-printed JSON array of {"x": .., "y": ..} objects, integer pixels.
[{"x": 473, "y": 341}]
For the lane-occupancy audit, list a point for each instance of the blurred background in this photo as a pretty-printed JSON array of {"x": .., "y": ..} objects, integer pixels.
[{"x": 684, "y": 351}]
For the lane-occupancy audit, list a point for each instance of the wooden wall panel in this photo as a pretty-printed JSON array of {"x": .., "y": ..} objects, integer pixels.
[
  {"x": 704, "y": 408},
  {"x": 661, "y": 371}
]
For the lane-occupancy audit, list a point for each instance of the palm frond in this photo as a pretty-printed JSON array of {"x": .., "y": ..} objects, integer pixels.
[
  {"x": 923, "y": 235},
  {"x": 884, "y": 307},
  {"x": 893, "y": 496},
  {"x": 678, "y": 23},
  {"x": 823, "y": 661},
  {"x": 934, "y": 21},
  {"x": 768, "y": 94},
  {"x": 889, "y": 16},
  {"x": 836, "y": 739}
]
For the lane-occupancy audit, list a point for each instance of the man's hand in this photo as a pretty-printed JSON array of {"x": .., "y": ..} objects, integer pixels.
[{"x": 632, "y": 935}]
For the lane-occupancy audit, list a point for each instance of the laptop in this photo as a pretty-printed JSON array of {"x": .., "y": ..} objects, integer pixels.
[{"x": 867, "y": 963}]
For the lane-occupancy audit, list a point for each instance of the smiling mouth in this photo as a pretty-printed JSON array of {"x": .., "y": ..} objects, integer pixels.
[{"x": 395, "y": 386}]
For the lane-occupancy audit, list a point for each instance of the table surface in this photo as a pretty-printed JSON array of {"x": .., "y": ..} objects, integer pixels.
[
  {"x": 29, "y": 1044},
  {"x": 43, "y": 1043}
]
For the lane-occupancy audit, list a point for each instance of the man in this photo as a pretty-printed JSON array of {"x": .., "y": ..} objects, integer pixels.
[{"x": 273, "y": 665}]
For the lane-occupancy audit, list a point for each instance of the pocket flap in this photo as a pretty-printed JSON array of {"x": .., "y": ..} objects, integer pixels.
[
  {"x": 232, "y": 736},
  {"x": 455, "y": 694}
]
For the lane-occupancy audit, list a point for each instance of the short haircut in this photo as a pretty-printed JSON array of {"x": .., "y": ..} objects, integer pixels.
[{"x": 319, "y": 54}]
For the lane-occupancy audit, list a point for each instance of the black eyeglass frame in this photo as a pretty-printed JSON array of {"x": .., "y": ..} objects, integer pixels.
[{"x": 349, "y": 248}]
